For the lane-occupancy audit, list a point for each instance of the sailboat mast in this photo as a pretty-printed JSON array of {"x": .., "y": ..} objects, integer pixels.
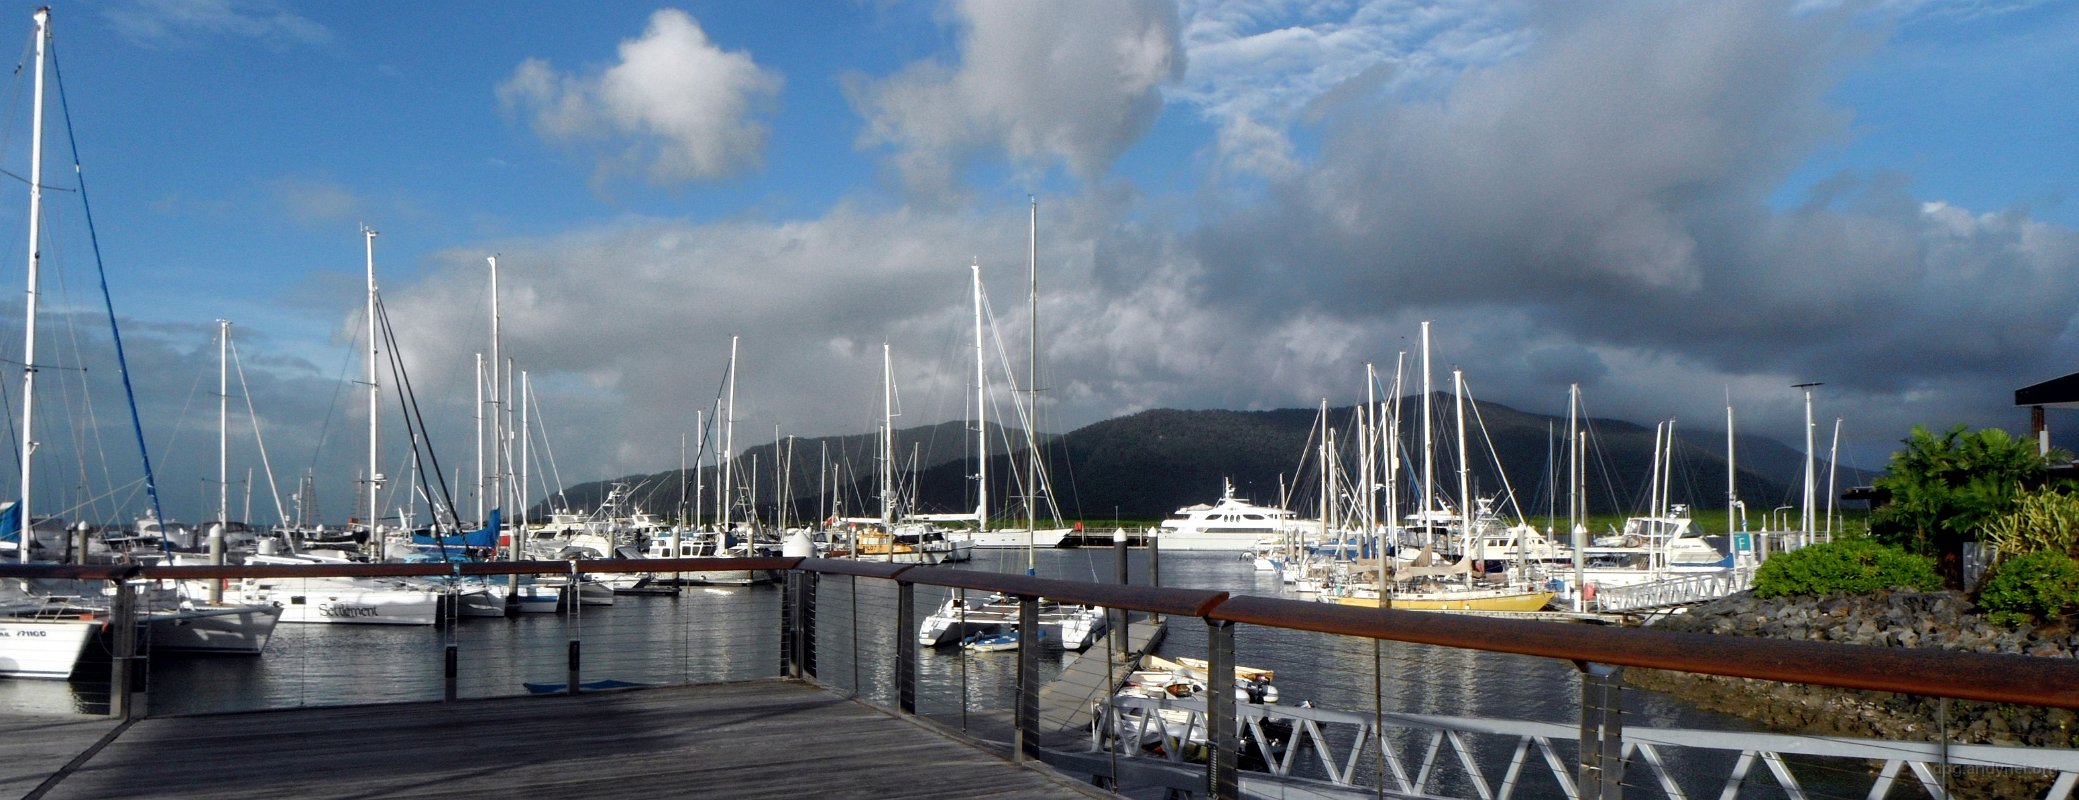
[
  {"x": 23, "y": 532},
  {"x": 499, "y": 459},
  {"x": 981, "y": 414},
  {"x": 1732, "y": 489},
  {"x": 1465, "y": 485},
  {"x": 1032, "y": 459},
  {"x": 216, "y": 533},
  {"x": 480, "y": 439},
  {"x": 725, "y": 493},
  {"x": 375, "y": 478},
  {"x": 888, "y": 446},
  {"x": 1429, "y": 469}
]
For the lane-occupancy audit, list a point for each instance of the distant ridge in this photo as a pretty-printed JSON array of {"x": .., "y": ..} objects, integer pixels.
[{"x": 1146, "y": 465}]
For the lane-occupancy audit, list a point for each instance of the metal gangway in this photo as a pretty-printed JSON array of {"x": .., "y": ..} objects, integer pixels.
[{"x": 1680, "y": 590}]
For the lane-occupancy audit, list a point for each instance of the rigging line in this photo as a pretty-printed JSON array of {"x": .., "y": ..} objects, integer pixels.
[
  {"x": 92, "y": 430},
  {"x": 273, "y": 490},
  {"x": 1494, "y": 458},
  {"x": 409, "y": 401},
  {"x": 550, "y": 449},
  {"x": 151, "y": 484}
]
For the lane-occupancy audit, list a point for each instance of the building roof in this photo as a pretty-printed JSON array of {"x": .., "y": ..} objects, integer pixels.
[{"x": 2056, "y": 391}]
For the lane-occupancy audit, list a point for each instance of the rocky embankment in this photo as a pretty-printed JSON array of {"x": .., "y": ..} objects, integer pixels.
[{"x": 1896, "y": 618}]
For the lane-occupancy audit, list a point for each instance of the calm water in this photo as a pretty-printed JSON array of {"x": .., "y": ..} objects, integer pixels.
[{"x": 706, "y": 635}]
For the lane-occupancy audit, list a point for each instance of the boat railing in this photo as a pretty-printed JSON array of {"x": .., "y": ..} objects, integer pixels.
[{"x": 1405, "y": 707}]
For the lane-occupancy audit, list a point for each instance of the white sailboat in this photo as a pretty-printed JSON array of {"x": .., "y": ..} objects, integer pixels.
[{"x": 36, "y": 641}]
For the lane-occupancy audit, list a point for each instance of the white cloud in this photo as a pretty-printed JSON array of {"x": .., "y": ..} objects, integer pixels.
[
  {"x": 675, "y": 106},
  {"x": 1043, "y": 84},
  {"x": 174, "y": 23}
]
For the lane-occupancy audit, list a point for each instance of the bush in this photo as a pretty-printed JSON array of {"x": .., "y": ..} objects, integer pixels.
[
  {"x": 2038, "y": 586},
  {"x": 1844, "y": 566},
  {"x": 2043, "y": 520}
]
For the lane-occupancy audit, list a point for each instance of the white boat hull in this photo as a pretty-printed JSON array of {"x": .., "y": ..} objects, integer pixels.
[
  {"x": 235, "y": 629},
  {"x": 1017, "y": 538},
  {"x": 35, "y": 648},
  {"x": 333, "y": 605}
]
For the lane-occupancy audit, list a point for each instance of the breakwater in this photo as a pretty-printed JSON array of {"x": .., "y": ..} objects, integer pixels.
[{"x": 1894, "y": 618}]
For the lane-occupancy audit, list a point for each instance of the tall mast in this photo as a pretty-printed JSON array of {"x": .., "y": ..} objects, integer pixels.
[
  {"x": 1732, "y": 489},
  {"x": 1811, "y": 468},
  {"x": 23, "y": 533},
  {"x": 480, "y": 508},
  {"x": 526, "y": 439},
  {"x": 375, "y": 478},
  {"x": 1429, "y": 469},
  {"x": 981, "y": 415},
  {"x": 1032, "y": 459},
  {"x": 499, "y": 458},
  {"x": 725, "y": 492},
  {"x": 1577, "y": 533},
  {"x": 888, "y": 446},
  {"x": 1465, "y": 483},
  {"x": 216, "y": 533}
]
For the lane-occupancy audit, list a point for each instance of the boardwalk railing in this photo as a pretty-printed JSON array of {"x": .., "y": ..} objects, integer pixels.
[{"x": 852, "y": 625}]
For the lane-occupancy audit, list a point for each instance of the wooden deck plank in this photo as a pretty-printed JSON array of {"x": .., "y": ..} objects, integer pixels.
[
  {"x": 751, "y": 739},
  {"x": 37, "y": 746}
]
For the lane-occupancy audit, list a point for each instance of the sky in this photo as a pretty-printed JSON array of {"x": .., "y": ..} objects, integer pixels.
[{"x": 1675, "y": 205}]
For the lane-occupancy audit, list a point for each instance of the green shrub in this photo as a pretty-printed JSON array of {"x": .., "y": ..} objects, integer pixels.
[
  {"x": 2043, "y": 520},
  {"x": 1844, "y": 566},
  {"x": 2040, "y": 585}
]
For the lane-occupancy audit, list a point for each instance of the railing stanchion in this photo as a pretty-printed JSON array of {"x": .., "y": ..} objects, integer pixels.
[
  {"x": 790, "y": 595},
  {"x": 1602, "y": 731},
  {"x": 123, "y": 616},
  {"x": 451, "y": 669},
  {"x": 905, "y": 646},
  {"x": 1026, "y": 737},
  {"x": 805, "y": 629},
  {"x": 1222, "y": 780},
  {"x": 572, "y": 679}
]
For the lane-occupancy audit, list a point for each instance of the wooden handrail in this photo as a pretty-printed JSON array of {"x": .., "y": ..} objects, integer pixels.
[
  {"x": 1159, "y": 600},
  {"x": 1996, "y": 678}
]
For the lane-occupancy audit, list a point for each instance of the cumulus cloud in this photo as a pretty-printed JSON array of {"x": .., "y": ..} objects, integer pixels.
[
  {"x": 675, "y": 107},
  {"x": 1042, "y": 84},
  {"x": 173, "y": 23}
]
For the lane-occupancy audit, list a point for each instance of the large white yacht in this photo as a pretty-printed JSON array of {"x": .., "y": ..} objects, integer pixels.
[{"x": 1232, "y": 525}]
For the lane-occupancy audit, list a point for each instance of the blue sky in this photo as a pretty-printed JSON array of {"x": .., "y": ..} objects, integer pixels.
[{"x": 1241, "y": 203}]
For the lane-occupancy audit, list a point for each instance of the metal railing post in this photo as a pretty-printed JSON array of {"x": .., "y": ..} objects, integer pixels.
[
  {"x": 805, "y": 628},
  {"x": 123, "y": 618},
  {"x": 451, "y": 670},
  {"x": 571, "y": 680},
  {"x": 1222, "y": 779},
  {"x": 1026, "y": 737},
  {"x": 905, "y": 646},
  {"x": 790, "y": 592},
  {"x": 1602, "y": 731}
]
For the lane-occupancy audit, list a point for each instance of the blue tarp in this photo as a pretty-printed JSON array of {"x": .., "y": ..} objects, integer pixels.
[
  {"x": 11, "y": 522},
  {"x": 485, "y": 537}
]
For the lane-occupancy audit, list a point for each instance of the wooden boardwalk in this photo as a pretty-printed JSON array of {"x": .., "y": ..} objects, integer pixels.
[{"x": 766, "y": 738}]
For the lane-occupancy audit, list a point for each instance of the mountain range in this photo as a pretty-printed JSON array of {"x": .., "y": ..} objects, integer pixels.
[{"x": 1144, "y": 466}]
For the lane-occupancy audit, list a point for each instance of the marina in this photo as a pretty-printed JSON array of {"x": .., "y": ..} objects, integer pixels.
[{"x": 682, "y": 657}]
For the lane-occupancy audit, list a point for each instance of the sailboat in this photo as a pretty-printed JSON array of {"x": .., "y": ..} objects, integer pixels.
[{"x": 1422, "y": 585}]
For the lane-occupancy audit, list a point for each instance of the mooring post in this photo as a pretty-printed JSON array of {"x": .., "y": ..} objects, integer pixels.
[
  {"x": 1602, "y": 731},
  {"x": 906, "y": 646},
  {"x": 1027, "y": 733},
  {"x": 1149, "y": 539},
  {"x": 452, "y": 669},
  {"x": 1223, "y": 782},
  {"x": 123, "y": 616}
]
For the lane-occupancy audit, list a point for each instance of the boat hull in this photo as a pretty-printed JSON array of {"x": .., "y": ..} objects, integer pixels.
[
  {"x": 38, "y": 648},
  {"x": 1455, "y": 601},
  {"x": 1019, "y": 538},
  {"x": 228, "y": 629}
]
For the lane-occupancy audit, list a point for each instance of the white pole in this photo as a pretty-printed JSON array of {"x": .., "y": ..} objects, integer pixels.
[
  {"x": 725, "y": 495},
  {"x": 1811, "y": 468},
  {"x": 480, "y": 507},
  {"x": 24, "y": 534},
  {"x": 981, "y": 416},
  {"x": 1032, "y": 457},
  {"x": 1429, "y": 474},
  {"x": 216, "y": 532},
  {"x": 375, "y": 477},
  {"x": 1833, "y": 466}
]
